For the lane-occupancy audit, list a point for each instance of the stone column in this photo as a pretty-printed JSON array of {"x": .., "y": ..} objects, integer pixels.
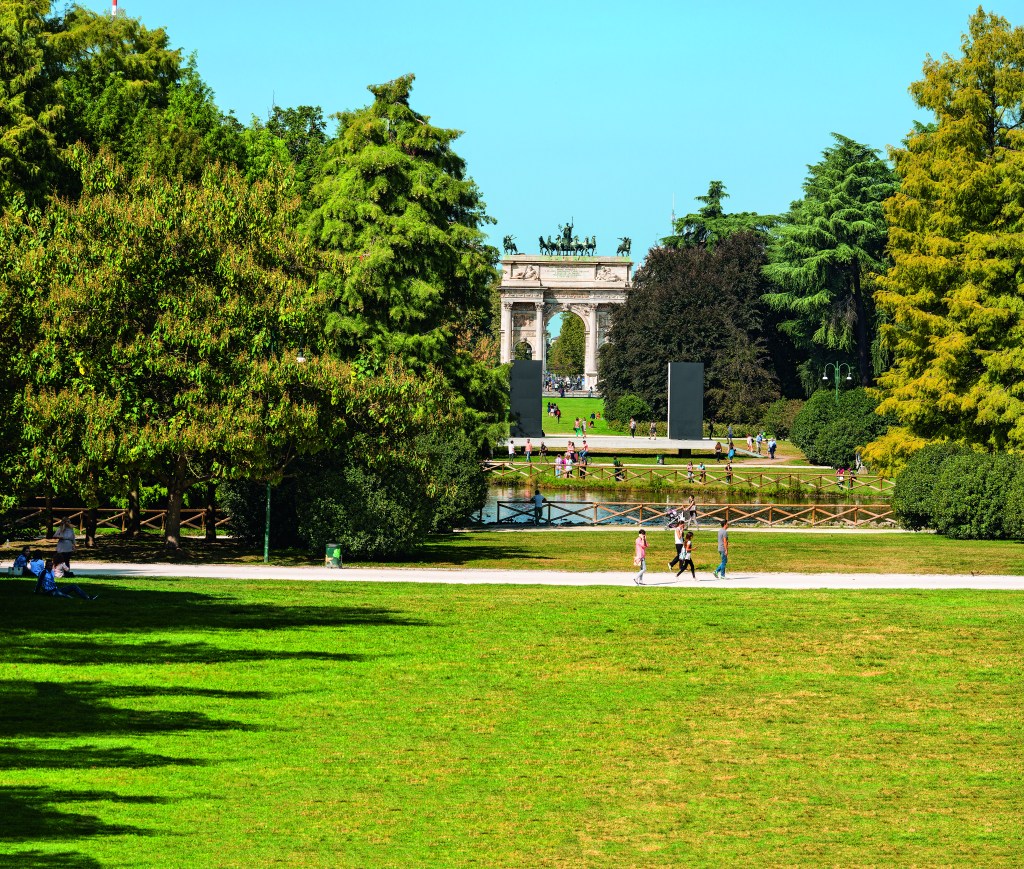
[
  {"x": 541, "y": 337},
  {"x": 505, "y": 341},
  {"x": 590, "y": 354}
]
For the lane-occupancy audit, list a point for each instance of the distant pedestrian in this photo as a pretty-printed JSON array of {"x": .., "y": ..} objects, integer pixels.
[
  {"x": 654, "y": 431},
  {"x": 728, "y": 473},
  {"x": 840, "y": 471},
  {"x": 691, "y": 510},
  {"x": 703, "y": 471},
  {"x": 718, "y": 451},
  {"x": 760, "y": 440},
  {"x": 851, "y": 477},
  {"x": 687, "y": 555},
  {"x": 689, "y": 472},
  {"x": 511, "y": 450},
  {"x": 728, "y": 431},
  {"x": 529, "y": 451},
  {"x": 559, "y": 461},
  {"x": 620, "y": 474},
  {"x": 750, "y": 443},
  {"x": 538, "y": 506},
  {"x": 771, "y": 448},
  {"x": 640, "y": 556},
  {"x": 723, "y": 549},
  {"x": 632, "y": 427},
  {"x": 543, "y": 450}
]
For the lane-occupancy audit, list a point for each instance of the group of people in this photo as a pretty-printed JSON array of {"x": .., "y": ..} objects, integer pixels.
[
  {"x": 46, "y": 572},
  {"x": 573, "y": 457},
  {"x": 684, "y": 551},
  {"x": 527, "y": 450}
]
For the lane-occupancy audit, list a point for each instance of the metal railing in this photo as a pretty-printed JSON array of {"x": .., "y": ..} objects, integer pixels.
[
  {"x": 677, "y": 475},
  {"x": 643, "y": 513}
]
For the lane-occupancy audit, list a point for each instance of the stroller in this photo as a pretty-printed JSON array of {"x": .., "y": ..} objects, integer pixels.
[{"x": 676, "y": 518}]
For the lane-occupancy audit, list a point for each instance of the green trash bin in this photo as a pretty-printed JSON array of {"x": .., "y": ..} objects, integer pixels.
[{"x": 332, "y": 555}]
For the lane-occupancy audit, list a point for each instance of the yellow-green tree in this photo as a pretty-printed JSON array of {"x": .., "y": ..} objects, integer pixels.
[{"x": 954, "y": 297}]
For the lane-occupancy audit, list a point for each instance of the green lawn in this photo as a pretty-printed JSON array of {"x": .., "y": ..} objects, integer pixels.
[
  {"x": 750, "y": 551},
  {"x": 571, "y": 408},
  {"x": 230, "y": 724}
]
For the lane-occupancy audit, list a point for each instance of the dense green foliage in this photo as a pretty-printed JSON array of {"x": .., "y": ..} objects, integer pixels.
[
  {"x": 824, "y": 250},
  {"x": 970, "y": 496},
  {"x": 711, "y": 224},
  {"x": 914, "y": 491},
  {"x": 694, "y": 305},
  {"x": 630, "y": 406},
  {"x": 780, "y": 415},
  {"x": 832, "y": 432},
  {"x": 954, "y": 298}
]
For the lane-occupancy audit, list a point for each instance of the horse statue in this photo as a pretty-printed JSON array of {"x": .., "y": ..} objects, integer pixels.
[
  {"x": 623, "y": 249},
  {"x": 544, "y": 249},
  {"x": 590, "y": 242},
  {"x": 510, "y": 245}
]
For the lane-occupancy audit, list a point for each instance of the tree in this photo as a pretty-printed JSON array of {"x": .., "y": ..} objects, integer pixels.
[
  {"x": 30, "y": 109},
  {"x": 711, "y": 224},
  {"x": 407, "y": 262},
  {"x": 954, "y": 297},
  {"x": 694, "y": 305},
  {"x": 826, "y": 246},
  {"x": 180, "y": 308},
  {"x": 568, "y": 350}
]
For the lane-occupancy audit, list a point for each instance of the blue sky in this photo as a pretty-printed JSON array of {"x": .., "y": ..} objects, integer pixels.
[{"x": 594, "y": 111}]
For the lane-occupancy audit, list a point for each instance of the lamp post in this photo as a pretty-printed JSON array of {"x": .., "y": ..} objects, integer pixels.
[{"x": 837, "y": 372}]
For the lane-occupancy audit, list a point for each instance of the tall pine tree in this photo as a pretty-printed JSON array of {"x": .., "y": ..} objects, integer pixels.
[
  {"x": 955, "y": 294},
  {"x": 829, "y": 242}
]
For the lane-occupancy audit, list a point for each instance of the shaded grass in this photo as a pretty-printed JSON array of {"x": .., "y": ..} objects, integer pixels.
[
  {"x": 399, "y": 725},
  {"x": 587, "y": 550}
]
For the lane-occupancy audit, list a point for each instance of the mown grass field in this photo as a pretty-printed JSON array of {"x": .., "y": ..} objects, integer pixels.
[
  {"x": 230, "y": 724},
  {"x": 750, "y": 551}
]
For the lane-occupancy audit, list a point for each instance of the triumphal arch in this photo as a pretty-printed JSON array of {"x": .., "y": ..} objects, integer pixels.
[{"x": 536, "y": 287}]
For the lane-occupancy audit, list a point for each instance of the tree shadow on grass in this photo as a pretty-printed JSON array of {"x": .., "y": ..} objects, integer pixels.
[
  {"x": 13, "y": 757},
  {"x": 29, "y": 815},
  {"x": 47, "y": 860},
  {"x": 446, "y": 549},
  {"x": 123, "y": 609},
  {"x": 74, "y": 709}
]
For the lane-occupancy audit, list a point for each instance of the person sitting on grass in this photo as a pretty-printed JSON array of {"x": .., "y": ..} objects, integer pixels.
[
  {"x": 21, "y": 567},
  {"x": 50, "y": 587},
  {"x": 36, "y": 566}
]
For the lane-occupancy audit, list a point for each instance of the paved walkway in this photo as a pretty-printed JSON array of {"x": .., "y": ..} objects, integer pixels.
[{"x": 662, "y": 579}]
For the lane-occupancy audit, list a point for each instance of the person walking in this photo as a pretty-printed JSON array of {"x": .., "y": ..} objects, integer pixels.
[
  {"x": 689, "y": 472},
  {"x": 538, "y": 506},
  {"x": 703, "y": 470},
  {"x": 511, "y": 451},
  {"x": 772, "y": 445},
  {"x": 677, "y": 530},
  {"x": 687, "y": 556},
  {"x": 529, "y": 451},
  {"x": 728, "y": 473},
  {"x": 640, "y": 556},
  {"x": 653, "y": 430},
  {"x": 65, "y": 545},
  {"x": 691, "y": 510},
  {"x": 632, "y": 427},
  {"x": 723, "y": 549}
]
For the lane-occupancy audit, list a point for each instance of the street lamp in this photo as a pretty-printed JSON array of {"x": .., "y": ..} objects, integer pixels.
[{"x": 837, "y": 372}]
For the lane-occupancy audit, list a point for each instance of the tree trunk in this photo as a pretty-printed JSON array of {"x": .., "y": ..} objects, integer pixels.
[
  {"x": 863, "y": 348},
  {"x": 90, "y": 527},
  {"x": 49, "y": 516},
  {"x": 210, "y": 517},
  {"x": 172, "y": 527},
  {"x": 134, "y": 509}
]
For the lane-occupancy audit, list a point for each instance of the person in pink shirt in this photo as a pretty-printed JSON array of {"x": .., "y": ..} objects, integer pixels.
[{"x": 640, "y": 556}]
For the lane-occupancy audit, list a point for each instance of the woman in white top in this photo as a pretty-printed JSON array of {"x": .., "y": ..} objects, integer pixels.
[{"x": 65, "y": 545}]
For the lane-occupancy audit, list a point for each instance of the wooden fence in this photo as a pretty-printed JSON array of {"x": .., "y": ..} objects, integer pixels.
[
  {"x": 709, "y": 515},
  {"x": 677, "y": 475},
  {"x": 110, "y": 517}
]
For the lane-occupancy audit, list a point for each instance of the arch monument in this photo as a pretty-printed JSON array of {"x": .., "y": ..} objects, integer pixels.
[{"x": 536, "y": 287}]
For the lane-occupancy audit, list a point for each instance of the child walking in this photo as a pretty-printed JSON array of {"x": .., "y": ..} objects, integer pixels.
[{"x": 687, "y": 556}]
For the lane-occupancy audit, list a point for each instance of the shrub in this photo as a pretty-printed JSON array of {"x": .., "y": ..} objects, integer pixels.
[
  {"x": 456, "y": 487},
  {"x": 778, "y": 418},
  {"x": 971, "y": 496},
  {"x": 914, "y": 489},
  {"x": 1014, "y": 516},
  {"x": 634, "y": 406},
  {"x": 818, "y": 432}
]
